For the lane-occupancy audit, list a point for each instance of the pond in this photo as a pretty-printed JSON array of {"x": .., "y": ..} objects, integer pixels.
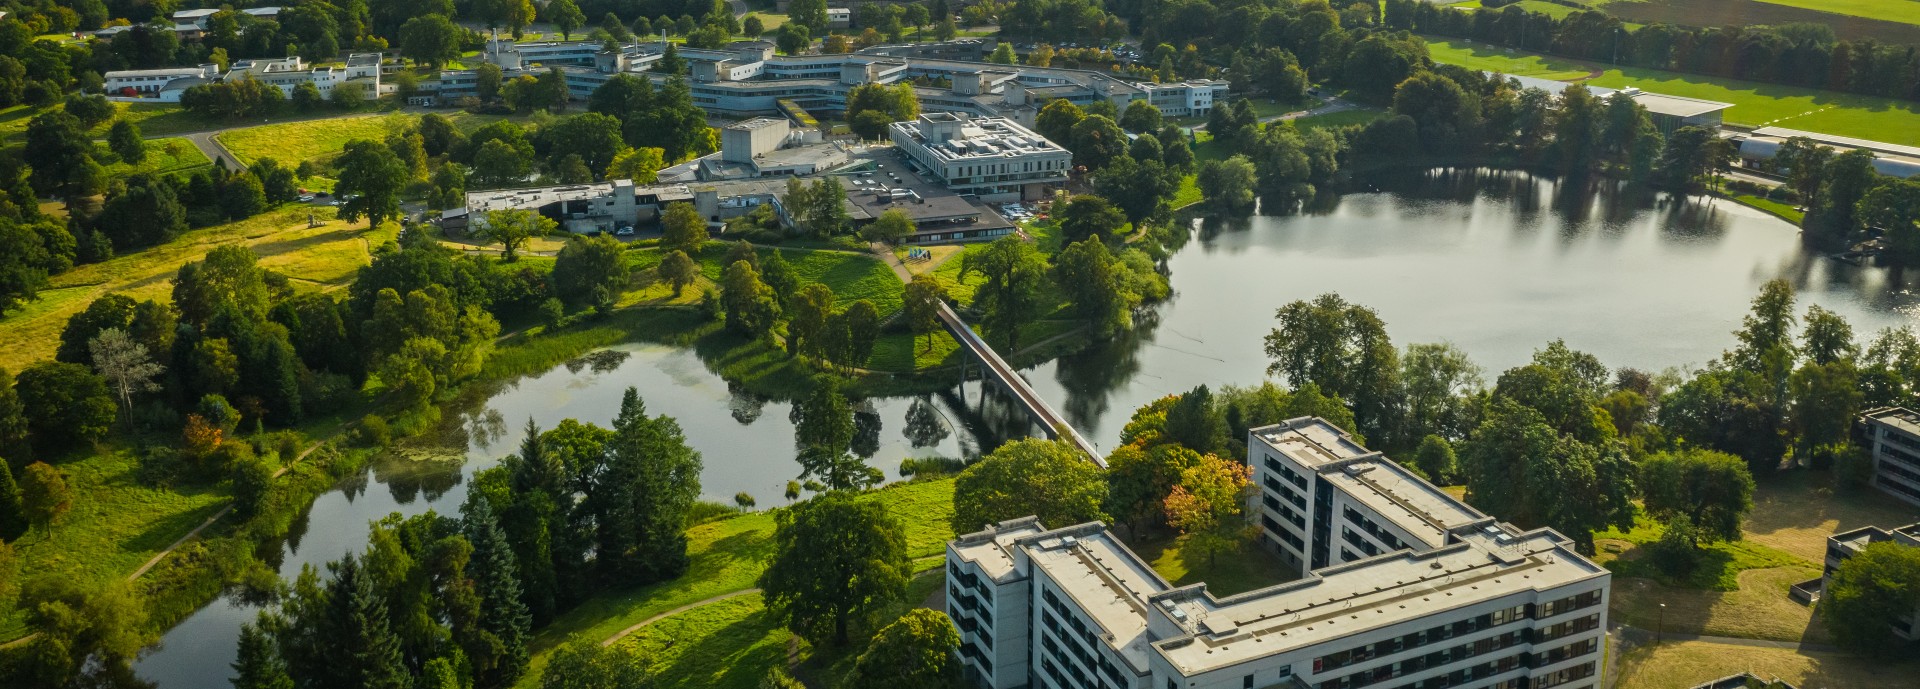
[{"x": 1497, "y": 262}]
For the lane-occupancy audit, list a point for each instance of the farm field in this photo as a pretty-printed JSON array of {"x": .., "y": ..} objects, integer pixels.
[
  {"x": 324, "y": 257},
  {"x": 1682, "y": 664},
  {"x": 1890, "y": 21}
]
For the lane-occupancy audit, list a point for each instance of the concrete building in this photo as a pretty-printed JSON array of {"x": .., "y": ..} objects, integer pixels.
[
  {"x": 993, "y": 158},
  {"x": 770, "y": 147},
  {"x": 162, "y": 84},
  {"x": 1668, "y": 112},
  {"x": 1842, "y": 546},
  {"x": 576, "y": 208},
  {"x": 1459, "y": 601},
  {"x": 1892, "y": 160},
  {"x": 1892, "y": 438}
]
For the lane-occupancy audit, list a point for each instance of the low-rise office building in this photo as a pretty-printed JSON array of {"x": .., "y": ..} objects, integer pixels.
[
  {"x": 1842, "y": 546},
  {"x": 1459, "y": 600},
  {"x": 993, "y": 158},
  {"x": 164, "y": 84},
  {"x": 1891, "y": 436},
  {"x": 361, "y": 71}
]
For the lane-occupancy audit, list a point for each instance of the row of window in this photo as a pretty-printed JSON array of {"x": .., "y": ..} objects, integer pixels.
[
  {"x": 1286, "y": 493},
  {"x": 1897, "y": 487},
  {"x": 1366, "y": 524},
  {"x": 1340, "y": 659},
  {"x": 1898, "y": 438},
  {"x": 1356, "y": 541},
  {"x": 966, "y": 601},
  {"x": 1577, "y": 672},
  {"x": 1452, "y": 679},
  {"x": 1574, "y": 626},
  {"x": 972, "y": 652},
  {"x": 1435, "y": 659},
  {"x": 1284, "y": 534},
  {"x": 1273, "y": 503},
  {"x": 1292, "y": 476},
  {"x": 1901, "y": 456},
  {"x": 972, "y": 626}
]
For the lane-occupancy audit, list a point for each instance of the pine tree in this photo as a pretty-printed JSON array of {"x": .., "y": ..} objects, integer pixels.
[
  {"x": 365, "y": 651},
  {"x": 259, "y": 665},
  {"x": 13, "y": 517},
  {"x": 495, "y": 576}
]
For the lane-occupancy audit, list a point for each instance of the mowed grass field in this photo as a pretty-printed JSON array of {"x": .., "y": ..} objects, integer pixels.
[
  {"x": 1796, "y": 512},
  {"x": 1903, "y": 11},
  {"x": 164, "y": 156},
  {"x": 323, "y": 257},
  {"x": 1682, "y": 664},
  {"x": 1754, "y": 104}
]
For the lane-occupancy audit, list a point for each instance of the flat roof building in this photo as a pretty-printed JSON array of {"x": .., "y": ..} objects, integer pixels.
[
  {"x": 994, "y": 158},
  {"x": 1451, "y": 598},
  {"x": 1892, "y": 439},
  {"x": 1842, "y": 546}
]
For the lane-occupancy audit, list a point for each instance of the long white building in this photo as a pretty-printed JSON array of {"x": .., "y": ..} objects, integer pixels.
[
  {"x": 993, "y": 158},
  {"x": 1893, "y": 445},
  {"x": 1449, "y": 598}
]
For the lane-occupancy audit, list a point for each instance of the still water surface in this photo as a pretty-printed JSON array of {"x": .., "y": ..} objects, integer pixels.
[{"x": 1498, "y": 263}]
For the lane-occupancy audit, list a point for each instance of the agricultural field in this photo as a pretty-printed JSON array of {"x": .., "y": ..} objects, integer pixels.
[
  {"x": 1903, "y": 11},
  {"x": 1888, "y": 21},
  {"x": 1490, "y": 58},
  {"x": 323, "y": 257},
  {"x": 1682, "y": 664}
]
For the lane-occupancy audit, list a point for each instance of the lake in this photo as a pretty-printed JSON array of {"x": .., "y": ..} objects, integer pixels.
[{"x": 1498, "y": 263}]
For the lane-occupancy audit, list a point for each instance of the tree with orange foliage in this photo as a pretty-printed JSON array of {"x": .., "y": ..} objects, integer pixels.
[{"x": 1208, "y": 506}]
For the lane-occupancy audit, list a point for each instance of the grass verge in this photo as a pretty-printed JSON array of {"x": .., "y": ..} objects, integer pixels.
[{"x": 1682, "y": 664}]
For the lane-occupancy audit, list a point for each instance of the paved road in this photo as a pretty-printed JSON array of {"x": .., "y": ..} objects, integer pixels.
[{"x": 213, "y": 150}]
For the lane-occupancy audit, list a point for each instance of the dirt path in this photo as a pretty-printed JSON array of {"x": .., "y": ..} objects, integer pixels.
[{"x": 670, "y": 613}]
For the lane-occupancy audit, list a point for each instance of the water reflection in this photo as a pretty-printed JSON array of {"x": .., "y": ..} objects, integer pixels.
[{"x": 1497, "y": 261}]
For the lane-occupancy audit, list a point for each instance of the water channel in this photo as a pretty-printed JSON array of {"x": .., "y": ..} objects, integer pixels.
[{"x": 1496, "y": 262}]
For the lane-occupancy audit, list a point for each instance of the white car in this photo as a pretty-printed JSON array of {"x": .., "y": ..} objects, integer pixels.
[
  {"x": 306, "y": 198},
  {"x": 626, "y": 231}
]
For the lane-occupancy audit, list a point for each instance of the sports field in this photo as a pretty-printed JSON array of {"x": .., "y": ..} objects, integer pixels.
[{"x": 1754, "y": 104}]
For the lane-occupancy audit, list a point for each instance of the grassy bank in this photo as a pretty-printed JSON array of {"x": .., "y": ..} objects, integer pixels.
[
  {"x": 324, "y": 257},
  {"x": 321, "y": 140},
  {"x": 164, "y": 156},
  {"x": 727, "y": 556},
  {"x": 1718, "y": 569},
  {"x": 1682, "y": 664}
]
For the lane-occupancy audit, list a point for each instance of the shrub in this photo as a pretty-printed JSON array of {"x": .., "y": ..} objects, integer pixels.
[
  {"x": 252, "y": 481},
  {"x": 707, "y": 510},
  {"x": 373, "y": 432},
  {"x": 1675, "y": 553}
]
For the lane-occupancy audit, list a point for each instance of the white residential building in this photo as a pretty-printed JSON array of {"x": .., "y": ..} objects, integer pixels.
[
  {"x": 163, "y": 84},
  {"x": 993, "y": 158},
  {"x": 1452, "y": 598},
  {"x": 1893, "y": 444}
]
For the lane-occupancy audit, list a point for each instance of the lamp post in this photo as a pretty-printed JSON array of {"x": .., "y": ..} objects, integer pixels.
[{"x": 1660, "y": 632}]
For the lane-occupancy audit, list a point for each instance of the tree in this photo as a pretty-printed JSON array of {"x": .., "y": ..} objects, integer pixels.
[
  {"x": 13, "y": 510},
  {"x": 1435, "y": 459},
  {"x": 1521, "y": 469},
  {"x": 1096, "y": 142},
  {"x": 487, "y": 79},
  {"x": 837, "y": 562},
  {"x": 14, "y": 442},
  {"x": 684, "y": 229},
  {"x": 1691, "y": 155},
  {"x": 1894, "y": 207},
  {"x": 371, "y": 179},
  {"x": 1015, "y": 273},
  {"x": 586, "y": 664},
  {"x": 1343, "y": 348},
  {"x": 65, "y": 404},
  {"x": 752, "y": 307},
  {"x": 503, "y": 614},
  {"x": 124, "y": 140},
  {"x": 1205, "y": 507},
  {"x": 433, "y": 39},
  {"x": 751, "y": 25},
  {"x": 678, "y": 270},
  {"x": 1438, "y": 382},
  {"x": 807, "y": 315},
  {"x": 1141, "y": 117},
  {"x": 1045, "y": 478},
  {"x": 1088, "y": 216},
  {"x": 1870, "y": 593},
  {"x": 60, "y": 154},
  {"x": 1713, "y": 490},
  {"x": 918, "y": 650},
  {"x": 642, "y": 165},
  {"x": 512, "y": 228},
  {"x": 44, "y": 495},
  {"x": 125, "y": 365},
  {"x": 1002, "y": 54},
  {"x": 499, "y": 164},
  {"x": 88, "y": 635},
  {"x": 924, "y": 295},
  {"x": 146, "y": 212},
  {"x": 871, "y": 107},
  {"x": 229, "y": 276},
  {"x": 565, "y": 16},
  {"x": 1846, "y": 180},
  {"x": 258, "y": 665},
  {"x": 1057, "y": 120},
  {"x": 808, "y": 13},
  {"x": 277, "y": 182},
  {"x": 590, "y": 270},
  {"x": 793, "y": 39},
  {"x": 1227, "y": 185},
  {"x": 891, "y": 227}
]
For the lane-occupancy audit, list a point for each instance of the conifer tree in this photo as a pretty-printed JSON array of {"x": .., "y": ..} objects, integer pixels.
[
  {"x": 496, "y": 580},
  {"x": 259, "y": 665},
  {"x": 13, "y": 516},
  {"x": 364, "y": 650}
]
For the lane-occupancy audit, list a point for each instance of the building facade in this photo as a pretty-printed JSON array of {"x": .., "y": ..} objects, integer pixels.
[
  {"x": 993, "y": 158},
  {"x": 1842, "y": 546},
  {"x": 1892, "y": 439},
  {"x": 1451, "y": 599}
]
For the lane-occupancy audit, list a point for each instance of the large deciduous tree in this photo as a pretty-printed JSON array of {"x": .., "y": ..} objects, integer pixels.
[
  {"x": 1869, "y": 593},
  {"x": 1344, "y": 349},
  {"x": 371, "y": 179},
  {"x": 1206, "y": 506},
  {"x": 66, "y": 405},
  {"x": 1011, "y": 296},
  {"x": 1714, "y": 490},
  {"x": 512, "y": 228},
  {"x": 1044, "y": 478},
  {"x": 837, "y": 562},
  {"x": 918, "y": 650}
]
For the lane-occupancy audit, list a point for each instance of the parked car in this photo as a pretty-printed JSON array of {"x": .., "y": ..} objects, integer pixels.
[
  {"x": 624, "y": 231},
  {"x": 306, "y": 198}
]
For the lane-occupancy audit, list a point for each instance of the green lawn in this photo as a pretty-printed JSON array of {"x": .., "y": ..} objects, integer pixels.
[
  {"x": 852, "y": 276},
  {"x": 164, "y": 156},
  {"x": 1338, "y": 119},
  {"x": 114, "y": 526},
  {"x": 728, "y": 555},
  {"x": 1719, "y": 567},
  {"x": 1229, "y": 573},
  {"x": 1903, "y": 11},
  {"x": 730, "y": 644}
]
